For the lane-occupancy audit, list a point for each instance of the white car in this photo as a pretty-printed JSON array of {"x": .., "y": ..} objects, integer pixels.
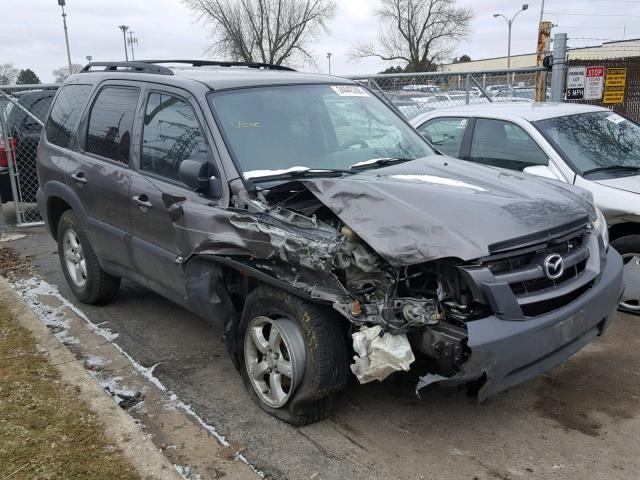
[{"x": 587, "y": 146}]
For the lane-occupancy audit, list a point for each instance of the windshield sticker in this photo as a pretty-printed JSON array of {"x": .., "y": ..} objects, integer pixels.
[
  {"x": 463, "y": 123},
  {"x": 240, "y": 124},
  {"x": 440, "y": 181},
  {"x": 615, "y": 118},
  {"x": 350, "y": 91}
]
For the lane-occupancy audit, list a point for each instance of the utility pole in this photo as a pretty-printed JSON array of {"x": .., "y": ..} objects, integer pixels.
[
  {"x": 66, "y": 35},
  {"x": 542, "y": 10},
  {"x": 329, "y": 55},
  {"x": 132, "y": 40},
  {"x": 509, "y": 24},
  {"x": 124, "y": 29},
  {"x": 559, "y": 71},
  {"x": 544, "y": 37}
]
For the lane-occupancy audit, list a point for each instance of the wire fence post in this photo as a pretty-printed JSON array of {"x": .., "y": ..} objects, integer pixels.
[{"x": 559, "y": 70}]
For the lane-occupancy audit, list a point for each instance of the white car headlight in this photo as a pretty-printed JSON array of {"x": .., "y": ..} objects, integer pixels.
[{"x": 600, "y": 225}]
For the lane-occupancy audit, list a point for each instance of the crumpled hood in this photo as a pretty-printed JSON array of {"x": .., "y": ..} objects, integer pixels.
[{"x": 438, "y": 207}]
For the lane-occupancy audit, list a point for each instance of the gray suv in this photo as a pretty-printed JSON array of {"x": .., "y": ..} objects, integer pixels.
[{"x": 307, "y": 217}]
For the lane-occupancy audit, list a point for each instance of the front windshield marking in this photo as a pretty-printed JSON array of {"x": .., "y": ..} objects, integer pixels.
[
  {"x": 272, "y": 130},
  {"x": 594, "y": 140}
]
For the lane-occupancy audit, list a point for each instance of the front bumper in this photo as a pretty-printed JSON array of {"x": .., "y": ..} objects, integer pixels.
[{"x": 505, "y": 353}]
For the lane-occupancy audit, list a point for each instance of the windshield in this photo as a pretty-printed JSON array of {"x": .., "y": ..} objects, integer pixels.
[
  {"x": 271, "y": 129},
  {"x": 594, "y": 140}
]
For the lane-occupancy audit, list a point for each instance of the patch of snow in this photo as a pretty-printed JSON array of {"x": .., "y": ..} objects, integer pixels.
[
  {"x": 268, "y": 173},
  {"x": 10, "y": 237},
  {"x": 95, "y": 362},
  {"x": 435, "y": 180},
  {"x": 31, "y": 288},
  {"x": 186, "y": 473}
]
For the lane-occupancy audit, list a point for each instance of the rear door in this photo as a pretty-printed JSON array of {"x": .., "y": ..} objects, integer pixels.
[
  {"x": 171, "y": 132},
  {"x": 99, "y": 171}
]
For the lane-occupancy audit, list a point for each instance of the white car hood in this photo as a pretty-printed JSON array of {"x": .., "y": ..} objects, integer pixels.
[{"x": 629, "y": 184}]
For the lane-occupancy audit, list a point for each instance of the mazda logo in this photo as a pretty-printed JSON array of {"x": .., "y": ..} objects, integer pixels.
[{"x": 553, "y": 266}]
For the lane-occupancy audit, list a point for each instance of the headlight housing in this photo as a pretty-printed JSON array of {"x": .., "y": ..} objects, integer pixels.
[{"x": 599, "y": 225}]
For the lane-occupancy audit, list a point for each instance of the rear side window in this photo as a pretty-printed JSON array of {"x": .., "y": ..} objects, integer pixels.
[
  {"x": 171, "y": 134},
  {"x": 65, "y": 114},
  {"x": 445, "y": 133},
  {"x": 111, "y": 122}
]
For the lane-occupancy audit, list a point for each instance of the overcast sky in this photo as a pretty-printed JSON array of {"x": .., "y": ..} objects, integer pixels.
[{"x": 31, "y": 34}]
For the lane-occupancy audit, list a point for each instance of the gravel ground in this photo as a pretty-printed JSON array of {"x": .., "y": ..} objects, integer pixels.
[{"x": 579, "y": 421}]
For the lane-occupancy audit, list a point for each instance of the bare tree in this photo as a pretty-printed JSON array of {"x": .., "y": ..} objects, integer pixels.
[
  {"x": 267, "y": 31},
  {"x": 418, "y": 32},
  {"x": 8, "y": 73},
  {"x": 63, "y": 72}
]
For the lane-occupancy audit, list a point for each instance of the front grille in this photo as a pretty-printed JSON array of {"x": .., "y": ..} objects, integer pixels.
[{"x": 522, "y": 269}]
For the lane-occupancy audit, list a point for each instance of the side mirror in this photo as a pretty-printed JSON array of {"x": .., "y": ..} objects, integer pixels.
[
  {"x": 427, "y": 137},
  {"x": 198, "y": 176},
  {"x": 541, "y": 171}
]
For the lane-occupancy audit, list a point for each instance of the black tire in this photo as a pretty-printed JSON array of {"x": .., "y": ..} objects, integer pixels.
[
  {"x": 629, "y": 244},
  {"x": 327, "y": 359},
  {"x": 100, "y": 287}
]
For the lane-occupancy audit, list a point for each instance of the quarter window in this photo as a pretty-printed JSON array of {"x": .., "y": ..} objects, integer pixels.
[
  {"x": 171, "y": 134},
  {"x": 65, "y": 114},
  {"x": 111, "y": 122},
  {"x": 505, "y": 145},
  {"x": 445, "y": 133}
]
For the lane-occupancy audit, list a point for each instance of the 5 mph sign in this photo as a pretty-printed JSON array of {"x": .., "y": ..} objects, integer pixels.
[{"x": 575, "y": 83}]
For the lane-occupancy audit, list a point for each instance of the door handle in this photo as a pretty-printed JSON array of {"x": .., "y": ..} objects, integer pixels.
[
  {"x": 79, "y": 177},
  {"x": 143, "y": 201}
]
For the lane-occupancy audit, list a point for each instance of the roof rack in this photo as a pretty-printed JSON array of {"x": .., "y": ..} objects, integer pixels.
[
  {"x": 138, "y": 67},
  {"x": 218, "y": 63}
]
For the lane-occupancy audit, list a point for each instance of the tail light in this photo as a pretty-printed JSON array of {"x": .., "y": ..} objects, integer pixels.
[{"x": 13, "y": 143}]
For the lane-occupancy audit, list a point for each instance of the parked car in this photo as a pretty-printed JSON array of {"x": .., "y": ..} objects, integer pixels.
[
  {"x": 24, "y": 134},
  {"x": 422, "y": 88},
  {"x": 583, "y": 145},
  {"x": 304, "y": 215}
]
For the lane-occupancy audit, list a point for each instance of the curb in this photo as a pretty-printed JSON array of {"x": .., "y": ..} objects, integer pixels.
[{"x": 119, "y": 428}]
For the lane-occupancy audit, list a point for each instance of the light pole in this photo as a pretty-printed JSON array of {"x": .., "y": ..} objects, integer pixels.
[
  {"x": 510, "y": 23},
  {"x": 132, "y": 40},
  {"x": 329, "y": 55},
  {"x": 124, "y": 29},
  {"x": 66, "y": 35},
  {"x": 89, "y": 58}
]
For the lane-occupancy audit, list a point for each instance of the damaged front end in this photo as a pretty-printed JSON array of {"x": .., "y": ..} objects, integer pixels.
[
  {"x": 286, "y": 236},
  {"x": 475, "y": 310}
]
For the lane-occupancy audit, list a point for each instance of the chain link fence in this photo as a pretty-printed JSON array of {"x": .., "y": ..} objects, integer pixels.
[
  {"x": 23, "y": 111},
  {"x": 416, "y": 93}
]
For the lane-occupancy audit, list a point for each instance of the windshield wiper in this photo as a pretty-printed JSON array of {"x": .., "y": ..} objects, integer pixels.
[
  {"x": 378, "y": 162},
  {"x": 613, "y": 168},
  {"x": 307, "y": 172}
]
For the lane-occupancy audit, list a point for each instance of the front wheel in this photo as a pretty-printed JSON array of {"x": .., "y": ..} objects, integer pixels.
[
  {"x": 293, "y": 355},
  {"x": 629, "y": 249}
]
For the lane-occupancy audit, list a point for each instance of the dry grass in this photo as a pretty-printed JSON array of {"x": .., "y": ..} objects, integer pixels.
[{"x": 45, "y": 431}]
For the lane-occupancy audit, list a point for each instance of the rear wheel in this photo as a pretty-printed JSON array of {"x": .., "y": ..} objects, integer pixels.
[
  {"x": 293, "y": 355},
  {"x": 88, "y": 281},
  {"x": 629, "y": 248}
]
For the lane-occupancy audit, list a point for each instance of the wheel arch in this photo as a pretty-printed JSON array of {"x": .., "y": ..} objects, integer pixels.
[
  {"x": 624, "y": 229},
  {"x": 59, "y": 198}
]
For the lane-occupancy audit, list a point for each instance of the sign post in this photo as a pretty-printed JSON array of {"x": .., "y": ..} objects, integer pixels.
[{"x": 614, "y": 85}]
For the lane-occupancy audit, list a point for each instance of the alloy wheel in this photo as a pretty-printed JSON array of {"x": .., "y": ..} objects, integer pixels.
[
  {"x": 275, "y": 355},
  {"x": 74, "y": 258}
]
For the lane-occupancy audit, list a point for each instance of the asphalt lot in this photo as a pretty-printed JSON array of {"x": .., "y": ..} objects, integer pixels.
[{"x": 581, "y": 421}]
